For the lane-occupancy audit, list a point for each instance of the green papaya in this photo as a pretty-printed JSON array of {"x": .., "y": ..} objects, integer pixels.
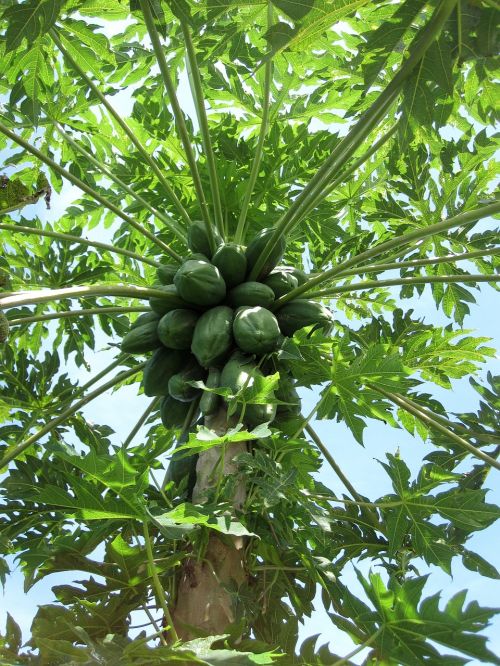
[
  {"x": 251, "y": 293},
  {"x": 141, "y": 339},
  {"x": 173, "y": 412},
  {"x": 298, "y": 273},
  {"x": 176, "y": 328},
  {"x": 198, "y": 238},
  {"x": 171, "y": 301},
  {"x": 196, "y": 256},
  {"x": 145, "y": 318},
  {"x": 209, "y": 402},
  {"x": 213, "y": 336},
  {"x": 231, "y": 261},
  {"x": 200, "y": 283},
  {"x": 299, "y": 313},
  {"x": 166, "y": 273},
  {"x": 182, "y": 467},
  {"x": 287, "y": 393},
  {"x": 281, "y": 282},
  {"x": 256, "y": 248},
  {"x": 256, "y": 330},
  {"x": 238, "y": 373},
  {"x": 256, "y": 414},
  {"x": 161, "y": 366},
  {"x": 178, "y": 385}
]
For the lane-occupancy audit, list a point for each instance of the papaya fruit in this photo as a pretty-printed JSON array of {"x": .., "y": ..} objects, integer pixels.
[
  {"x": 166, "y": 273},
  {"x": 178, "y": 386},
  {"x": 230, "y": 259},
  {"x": 256, "y": 247},
  {"x": 298, "y": 273},
  {"x": 197, "y": 239},
  {"x": 200, "y": 283},
  {"x": 238, "y": 373},
  {"x": 287, "y": 393},
  {"x": 256, "y": 330},
  {"x": 254, "y": 415},
  {"x": 213, "y": 336},
  {"x": 182, "y": 468},
  {"x": 173, "y": 412},
  {"x": 281, "y": 282},
  {"x": 171, "y": 301},
  {"x": 250, "y": 293},
  {"x": 160, "y": 367},
  {"x": 176, "y": 328},
  {"x": 141, "y": 339},
  {"x": 145, "y": 318},
  {"x": 209, "y": 402},
  {"x": 299, "y": 313},
  {"x": 196, "y": 256}
]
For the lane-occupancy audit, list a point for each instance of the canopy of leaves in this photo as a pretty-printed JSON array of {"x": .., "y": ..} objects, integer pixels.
[{"x": 352, "y": 127}]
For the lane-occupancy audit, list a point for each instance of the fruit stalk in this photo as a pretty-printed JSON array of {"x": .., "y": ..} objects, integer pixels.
[
  {"x": 462, "y": 219},
  {"x": 14, "y": 299},
  {"x": 178, "y": 115},
  {"x": 420, "y": 279},
  {"x": 318, "y": 186},
  {"x": 16, "y": 228},
  {"x": 240, "y": 229}
]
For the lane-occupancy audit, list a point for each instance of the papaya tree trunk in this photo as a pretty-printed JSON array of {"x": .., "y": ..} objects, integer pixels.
[{"x": 207, "y": 591}]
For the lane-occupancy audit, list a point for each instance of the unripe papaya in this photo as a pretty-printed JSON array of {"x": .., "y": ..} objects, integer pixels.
[
  {"x": 287, "y": 393},
  {"x": 145, "y": 318},
  {"x": 213, "y": 336},
  {"x": 281, "y": 282},
  {"x": 238, "y": 373},
  {"x": 256, "y": 414},
  {"x": 251, "y": 294},
  {"x": 256, "y": 330},
  {"x": 166, "y": 273},
  {"x": 198, "y": 238},
  {"x": 209, "y": 402},
  {"x": 176, "y": 328},
  {"x": 141, "y": 339},
  {"x": 299, "y": 313},
  {"x": 178, "y": 386},
  {"x": 173, "y": 412},
  {"x": 231, "y": 261},
  {"x": 200, "y": 283},
  {"x": 161, "y": 366},
  {"x": 256, "y": 248},
  {"x": 171, "y": 300},
  {"x": 298, "y": 273}
]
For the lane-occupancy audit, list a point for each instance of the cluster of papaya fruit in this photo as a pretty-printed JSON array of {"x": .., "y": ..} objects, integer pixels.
[{"x": 214, "y": 325}]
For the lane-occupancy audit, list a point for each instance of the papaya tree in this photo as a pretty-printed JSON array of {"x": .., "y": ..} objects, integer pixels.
[{"x": 252, "y": 201}]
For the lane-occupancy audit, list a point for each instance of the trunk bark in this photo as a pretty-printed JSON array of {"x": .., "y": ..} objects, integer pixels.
[{"x": 207, "y": 590}]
